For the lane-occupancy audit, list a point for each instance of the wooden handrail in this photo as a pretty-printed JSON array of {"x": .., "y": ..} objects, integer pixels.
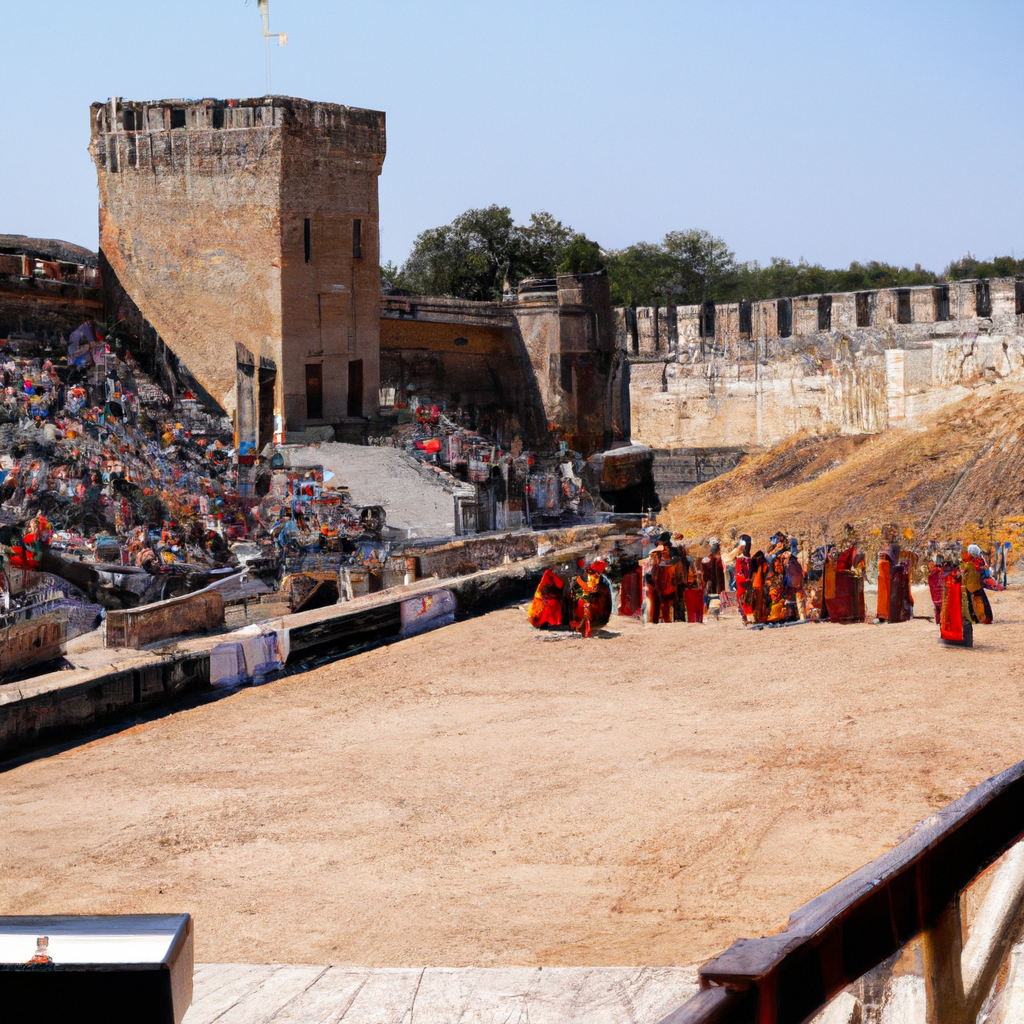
[{"x": 842, "y": 934}]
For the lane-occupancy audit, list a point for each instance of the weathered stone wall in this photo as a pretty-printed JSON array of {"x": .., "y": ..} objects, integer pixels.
[
  {"x": 43, "y": 295},
  {"x": 568, "y": 331},
  {"x": 480, "y": 370},
  {"x": 331, "y": 303},
  {"x": 190, "y": 224},
  {"x": 203, "y": 212},
  {"x": 691, "y": 388},
  {"x": 543, "y": 367}
]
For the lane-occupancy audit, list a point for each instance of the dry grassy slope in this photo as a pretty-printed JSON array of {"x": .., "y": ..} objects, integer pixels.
[{"x": 813, "y": 485}]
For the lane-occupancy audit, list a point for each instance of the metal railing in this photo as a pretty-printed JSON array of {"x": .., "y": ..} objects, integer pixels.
[{"x": 912, "y": 892}]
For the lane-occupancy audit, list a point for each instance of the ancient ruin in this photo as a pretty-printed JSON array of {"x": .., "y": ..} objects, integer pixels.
[
  {"x": 711, "y": 383},
  {"x": 245, "y": 233},
  {"x": 229, "y": 460}
]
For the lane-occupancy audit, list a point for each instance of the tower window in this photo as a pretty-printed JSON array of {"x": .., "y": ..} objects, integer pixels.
[
  {"x": 307, "y": 243},
  {"x": 357, "y": 238},
  {"x": 130, "y": 122},
  {"x": 177, "y": 117},
  {"x": 863, "y": 309}
]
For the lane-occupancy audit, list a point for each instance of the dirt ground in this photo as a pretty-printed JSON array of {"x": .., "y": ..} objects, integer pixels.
[{"x": 491, "y": 795}]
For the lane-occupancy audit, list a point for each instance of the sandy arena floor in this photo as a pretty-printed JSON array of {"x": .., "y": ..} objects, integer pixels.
[{"x": 494, "y": 796}]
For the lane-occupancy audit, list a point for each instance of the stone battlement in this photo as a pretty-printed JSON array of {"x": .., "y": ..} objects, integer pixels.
[
  {"x": 906, "y": 314},
  {"x": 753, "y": 374}
]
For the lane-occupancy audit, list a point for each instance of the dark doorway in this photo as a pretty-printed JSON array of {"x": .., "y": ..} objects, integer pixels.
[
  {"x": 1018, "y": 296},
  {"x": 863, "y": 309},
  {"x": 824, "y": 312},
  {"x": 941, "y": 295},
  {"x": 982, "y": 298},
  {"x": 565, "y": 374},
  {"x": 746, "y": 318},
  {"x": 266, "y": 406},
  {"x": 355, "y": 387},
  {"x": 785, "y": 310},
  {"x": 707, "y": 320},
  {"x": 314, "y": 391},
  {"x": 903, "y": 311}
]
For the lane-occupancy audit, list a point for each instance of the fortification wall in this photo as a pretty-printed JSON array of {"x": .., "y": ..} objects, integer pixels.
[
  {"x": 544, "y": 367},
  {"x": 190, "y": 224},
  {"x": 246, "y": 234},
  {"x": 753, "y": 374}
]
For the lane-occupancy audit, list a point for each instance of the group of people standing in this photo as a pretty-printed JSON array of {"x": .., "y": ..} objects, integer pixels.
[
  {"x": 670, "y": 585},
  {"x": 772, "y": 587},
  {"x": 582, "y": 599}
]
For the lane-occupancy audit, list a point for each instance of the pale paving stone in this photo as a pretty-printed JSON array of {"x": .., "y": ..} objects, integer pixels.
[{"x": 275, "y": 994}]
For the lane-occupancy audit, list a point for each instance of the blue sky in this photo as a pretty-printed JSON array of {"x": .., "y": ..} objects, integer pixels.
[{"x": 825, "y": 130}]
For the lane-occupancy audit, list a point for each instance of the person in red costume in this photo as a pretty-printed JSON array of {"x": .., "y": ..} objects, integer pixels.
[
  {"x": 547, "y": 607},
  {"x": 592, "y": 600}
]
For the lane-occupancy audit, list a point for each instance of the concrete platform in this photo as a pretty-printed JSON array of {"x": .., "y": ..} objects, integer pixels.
[{"x": 265, "y": 993}]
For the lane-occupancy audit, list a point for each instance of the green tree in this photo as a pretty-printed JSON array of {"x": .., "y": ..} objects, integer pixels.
[
  {"x": 580, "y": 256},
  {"x": 638, "y": 275},
  {"x": 687, "y": 267},
  {"x": 544, "y": 245},
  {"x": 703, "y": 266},
  {"x": 482, "y": 250},
  {"x": 999, "y": 266}
]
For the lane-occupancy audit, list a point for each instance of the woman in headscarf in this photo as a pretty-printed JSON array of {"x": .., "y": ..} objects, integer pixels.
[{"x": 972, "y": 569}]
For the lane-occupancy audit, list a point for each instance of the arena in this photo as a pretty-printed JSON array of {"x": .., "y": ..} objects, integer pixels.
[{"x": 492, "y": 795}]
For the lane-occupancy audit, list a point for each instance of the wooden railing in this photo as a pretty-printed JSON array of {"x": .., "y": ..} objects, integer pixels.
[{"x": 912, "y": 893}]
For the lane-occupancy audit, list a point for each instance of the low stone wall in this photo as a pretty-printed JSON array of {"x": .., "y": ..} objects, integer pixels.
[
  {"x": 46, "y": 708},
  {"x": 461, "y": 557},
  {"x": 678, "y": 470},
  {"x": 136, "y": 627}
]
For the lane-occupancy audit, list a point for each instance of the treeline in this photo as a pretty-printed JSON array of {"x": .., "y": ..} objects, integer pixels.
[{"x": 483, "y": 253}]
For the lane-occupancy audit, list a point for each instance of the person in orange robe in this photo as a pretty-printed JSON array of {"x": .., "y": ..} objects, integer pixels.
[
  {"x": 955, "y": 622},
  {"x": 758, "y": 588},
  {"x": 547, "y": 607},
  {"x": 895, "y": 601},
  {"x": 775, "y": 588},
  {"x": 844, "y": 582}
]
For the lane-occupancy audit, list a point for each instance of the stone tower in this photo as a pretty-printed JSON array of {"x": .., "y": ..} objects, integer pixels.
[{"x": 246, "y": 233}]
